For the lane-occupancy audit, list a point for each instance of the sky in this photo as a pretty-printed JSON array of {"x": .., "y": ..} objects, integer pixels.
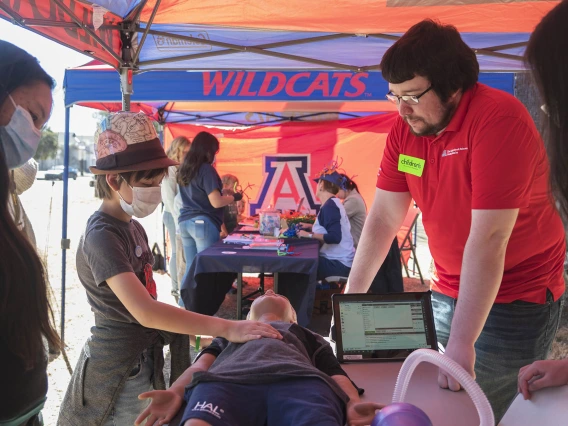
[{"x": 54, "y": 58}]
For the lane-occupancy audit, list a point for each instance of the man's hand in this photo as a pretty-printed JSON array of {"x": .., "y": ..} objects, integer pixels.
[
  {"x": 464, "y": 355},
  {"x": 243, "y": 331},
  {"x": 361, "y": 413},
  {"x": 163, "y": 407},
  {"x": 542, "y": 374}
]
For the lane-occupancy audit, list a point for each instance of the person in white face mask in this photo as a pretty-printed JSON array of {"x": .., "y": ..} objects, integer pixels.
[
  {"x": 124, "y": 355},
  {"x": 25, "y": 104}
]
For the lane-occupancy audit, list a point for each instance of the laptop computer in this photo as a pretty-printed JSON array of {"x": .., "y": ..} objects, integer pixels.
[{"x": 382, "y": 327}]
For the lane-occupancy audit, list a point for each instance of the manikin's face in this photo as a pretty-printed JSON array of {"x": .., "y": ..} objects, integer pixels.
[
  {"x": 430, "y": 115},
  {"x": 274, "y": 304}
]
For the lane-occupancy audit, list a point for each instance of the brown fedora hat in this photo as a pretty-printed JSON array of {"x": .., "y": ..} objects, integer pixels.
[{"x": 128, "y": 142}]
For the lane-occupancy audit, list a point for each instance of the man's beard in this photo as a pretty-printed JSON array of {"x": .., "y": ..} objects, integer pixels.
[{"x": 433, "y": 129}]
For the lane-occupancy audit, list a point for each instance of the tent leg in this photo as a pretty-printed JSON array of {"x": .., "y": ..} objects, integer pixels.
[{"x": 64, "y": 240}]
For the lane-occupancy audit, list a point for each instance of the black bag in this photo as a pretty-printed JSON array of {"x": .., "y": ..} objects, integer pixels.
[{"x": 159, "y": 260}]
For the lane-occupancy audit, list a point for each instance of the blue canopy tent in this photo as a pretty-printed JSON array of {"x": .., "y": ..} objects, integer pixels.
[
  {"x": 262, "y": 35},
  {"x": 200, "y": 97}
]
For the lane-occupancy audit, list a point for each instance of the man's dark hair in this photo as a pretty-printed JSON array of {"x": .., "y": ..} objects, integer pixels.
[
  {"x": 436, "y": 52},
  {"x": 103, "y": 191}
]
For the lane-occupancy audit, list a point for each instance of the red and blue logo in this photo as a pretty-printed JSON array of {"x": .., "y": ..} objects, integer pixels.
[{"x": 285, "y": 183}]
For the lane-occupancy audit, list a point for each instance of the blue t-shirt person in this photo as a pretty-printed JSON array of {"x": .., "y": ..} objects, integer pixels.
[{"x": 195, "y": 196}]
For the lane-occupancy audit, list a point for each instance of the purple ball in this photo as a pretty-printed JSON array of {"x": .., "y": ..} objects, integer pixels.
[{"x": 401, "y": 414}]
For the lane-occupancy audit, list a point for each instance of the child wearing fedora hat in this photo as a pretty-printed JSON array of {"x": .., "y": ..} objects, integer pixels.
[
  {"x": 123, "y": 357},
  {"x": 331, "y": 227}
]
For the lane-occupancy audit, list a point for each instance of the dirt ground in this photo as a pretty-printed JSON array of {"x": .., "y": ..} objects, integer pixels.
[{"x": 43, "y": 203}]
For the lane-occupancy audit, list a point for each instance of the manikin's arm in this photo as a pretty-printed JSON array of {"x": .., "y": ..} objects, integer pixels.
[
  {"x": 358, "y": 413},
  {"x": 165, "y": 404}
]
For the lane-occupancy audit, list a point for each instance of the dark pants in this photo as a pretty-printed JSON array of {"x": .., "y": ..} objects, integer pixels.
[
  {"x": 515, "y": 334},
  {"x": 331, "y": 268},
  {"x": 299, "y": 402}
]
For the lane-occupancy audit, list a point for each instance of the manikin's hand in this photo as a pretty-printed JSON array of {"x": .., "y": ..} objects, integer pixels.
[
  {"x": 464, "y": 355},
  {"x": 542, "y": 374},
  {"x": 243, "y": 331},
  {"x": 163, "y": 407},
  {"x": 361, "y": 413}
]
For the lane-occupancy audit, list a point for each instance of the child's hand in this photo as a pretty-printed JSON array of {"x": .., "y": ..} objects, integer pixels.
[
  {"x": 546, "y": 374},
  {"x": 243, "y": 331},
  {"x": 164, "y": 406}
]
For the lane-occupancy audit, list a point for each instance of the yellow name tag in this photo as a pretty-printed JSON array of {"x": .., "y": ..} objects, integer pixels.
[{"x": 411, "y": 165}]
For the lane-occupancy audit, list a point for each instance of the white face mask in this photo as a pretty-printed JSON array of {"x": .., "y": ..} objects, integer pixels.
[
  {"x": 22, "y": 137},
  {"x": 144, "y": 201}
]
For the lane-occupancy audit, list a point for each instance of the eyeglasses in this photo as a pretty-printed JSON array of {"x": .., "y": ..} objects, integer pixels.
[{"x": 409, "y": 99}]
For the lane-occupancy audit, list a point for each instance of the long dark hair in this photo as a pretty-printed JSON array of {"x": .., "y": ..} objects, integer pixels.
[
  {"x": 202, "y": 151},
  {"x": 434, "y": 51},
  {"x": 25, "y": 311},
  {"x": 547, "y": 57}
]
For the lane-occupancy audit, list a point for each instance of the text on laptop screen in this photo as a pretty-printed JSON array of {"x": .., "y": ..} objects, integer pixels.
[{"x": 371, "y": 326}]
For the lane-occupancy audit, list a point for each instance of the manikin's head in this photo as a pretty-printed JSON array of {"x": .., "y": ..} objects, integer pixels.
[{"x": 272, "y": 307}]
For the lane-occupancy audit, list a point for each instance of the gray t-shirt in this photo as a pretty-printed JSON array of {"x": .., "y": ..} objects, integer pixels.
[
  {"x": 110, "y": 247},
  {"x": 301, "y": 353},
  {"x": 357, "y": 213}
]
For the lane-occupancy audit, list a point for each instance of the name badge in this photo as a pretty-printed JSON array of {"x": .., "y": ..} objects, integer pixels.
[{"x": 411, "y": 165}]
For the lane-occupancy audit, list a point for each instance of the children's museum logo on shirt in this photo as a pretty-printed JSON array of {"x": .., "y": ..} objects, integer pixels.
[
  {"x": 455, "y": 151},
  {"x": 208, "y": 407}
]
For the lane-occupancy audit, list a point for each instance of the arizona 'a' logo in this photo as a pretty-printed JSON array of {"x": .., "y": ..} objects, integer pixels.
[{"x": 285, "y": 183}]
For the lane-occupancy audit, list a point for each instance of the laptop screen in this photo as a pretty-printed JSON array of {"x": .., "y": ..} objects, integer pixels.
[{"x": 378, "y": 327}]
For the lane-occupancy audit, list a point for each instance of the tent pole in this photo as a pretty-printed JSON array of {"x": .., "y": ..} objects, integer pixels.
[
  {"x": 65, "y": 243},
  {"x": 126, "y": 87}
]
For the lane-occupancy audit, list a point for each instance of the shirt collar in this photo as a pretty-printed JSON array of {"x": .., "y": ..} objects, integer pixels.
[{"x": 461, "y": 111}]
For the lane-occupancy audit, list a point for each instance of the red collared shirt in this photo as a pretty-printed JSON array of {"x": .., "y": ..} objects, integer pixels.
[{"x": 489, "y": 157}]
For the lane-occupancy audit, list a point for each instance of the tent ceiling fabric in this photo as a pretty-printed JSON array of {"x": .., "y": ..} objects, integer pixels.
[{"x": 271, "y": 34}]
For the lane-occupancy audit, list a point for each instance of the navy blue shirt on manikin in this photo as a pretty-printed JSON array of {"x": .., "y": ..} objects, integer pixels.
[{"x": 195, "y": 196}]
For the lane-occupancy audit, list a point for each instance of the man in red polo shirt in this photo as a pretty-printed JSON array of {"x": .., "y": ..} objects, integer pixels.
[{"x": 472, "y": 159}]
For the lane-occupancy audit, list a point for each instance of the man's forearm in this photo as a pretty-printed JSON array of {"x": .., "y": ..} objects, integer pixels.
[{"x": 481, "y": 275}]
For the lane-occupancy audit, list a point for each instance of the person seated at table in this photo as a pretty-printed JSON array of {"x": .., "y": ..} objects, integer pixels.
[
  {"x": 230, "y": 211},
  {"x": 332, "y": 228},
  {"x": 297, "y": 381},
  {"x": 389, "y": 276},
  {"x": 201, "y": 216},
  {"x": 355, "y": 207}
]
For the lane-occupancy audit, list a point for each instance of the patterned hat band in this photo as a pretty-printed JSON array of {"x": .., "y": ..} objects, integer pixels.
[{"x": 134, "y": 154}]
